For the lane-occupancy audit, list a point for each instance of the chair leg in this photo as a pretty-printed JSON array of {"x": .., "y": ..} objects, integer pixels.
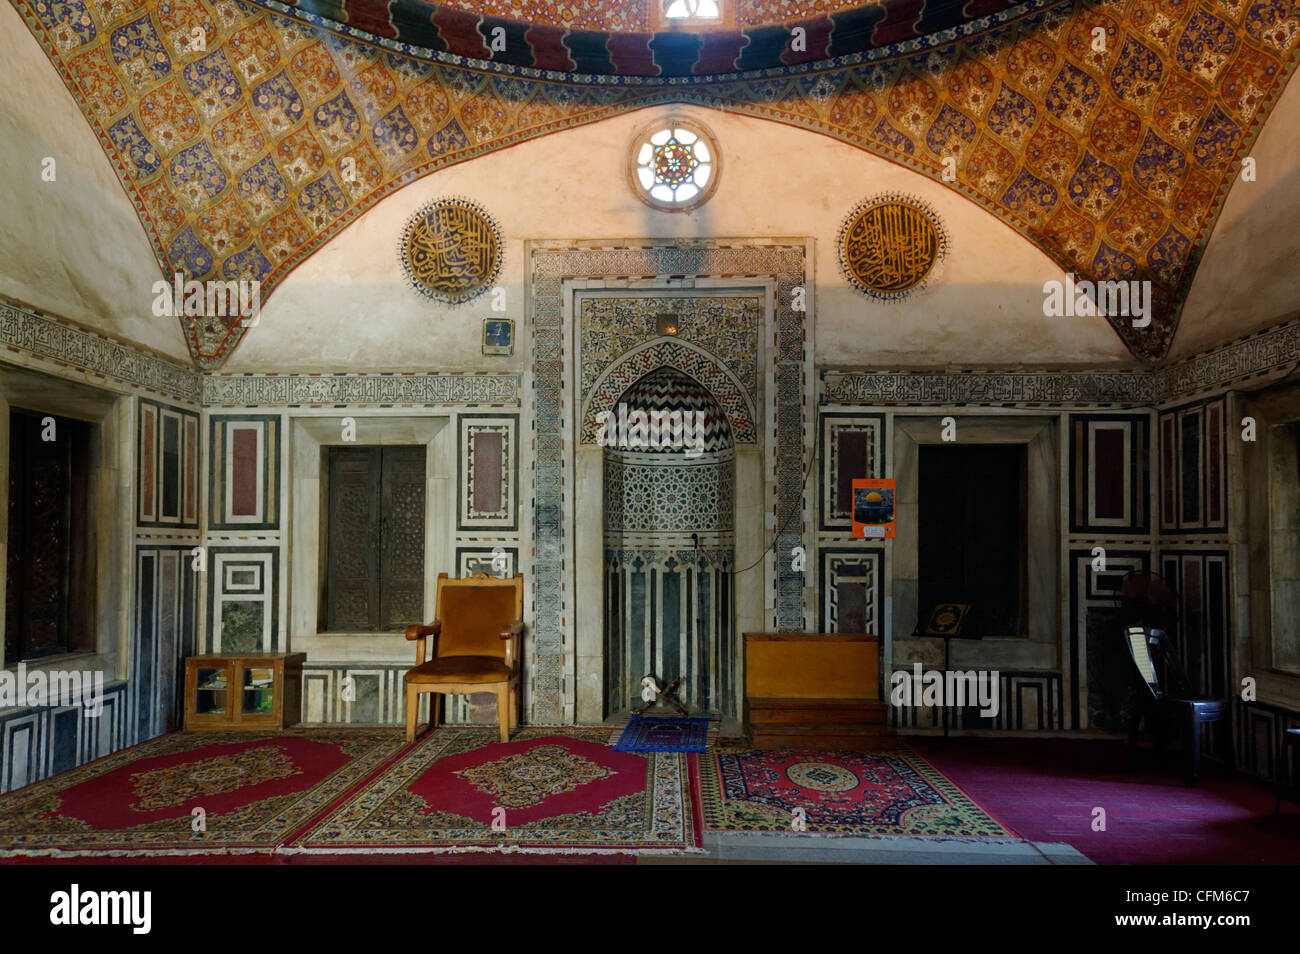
[
  {"x": 412, "y": 711},
  {"x": 435, "y": 704},
  {"x": 514, "y": 708},
  {"x": 1134, "y": 725},
  {"x": 503, "y": 714},
  {"x": 1192, "y": 754}
]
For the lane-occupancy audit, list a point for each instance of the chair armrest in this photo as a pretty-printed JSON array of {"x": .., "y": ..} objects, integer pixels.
[
  {"x": 419, "y": 630},
  {"x": 512, "y": 635}
]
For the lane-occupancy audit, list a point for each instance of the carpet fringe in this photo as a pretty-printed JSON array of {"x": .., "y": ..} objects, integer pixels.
[
  {"x": 131, "y": 852},
  {"x": 793, "y": 836},
  {"x": 488, "y": 849}
]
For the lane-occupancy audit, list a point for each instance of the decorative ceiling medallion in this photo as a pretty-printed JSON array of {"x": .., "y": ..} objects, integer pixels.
[
  {"x": 674, "y": 164},
  {"x": 451, "y": 249},
  {"x": 891, "y": 245}
]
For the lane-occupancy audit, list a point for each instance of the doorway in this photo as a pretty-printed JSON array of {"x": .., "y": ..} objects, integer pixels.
[
  {"x": 971, "y": 534},
  {"x": 49, "y": 598}
]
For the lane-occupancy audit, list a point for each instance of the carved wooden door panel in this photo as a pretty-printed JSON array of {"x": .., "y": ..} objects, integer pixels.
[
  {"x": 402, "y": 539},
  {"x": 40, "y": 538},
  {"x": 352, "y": 583},
  {"x": 375, "y": 576}
]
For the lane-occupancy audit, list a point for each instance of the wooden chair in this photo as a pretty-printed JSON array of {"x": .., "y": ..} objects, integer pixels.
[
  {"x": 477, "y": 627},
  {"x": 1175, "y": 703}
]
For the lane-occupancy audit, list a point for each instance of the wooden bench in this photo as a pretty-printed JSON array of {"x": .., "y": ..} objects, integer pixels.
[{"x": 817, "y": 691}]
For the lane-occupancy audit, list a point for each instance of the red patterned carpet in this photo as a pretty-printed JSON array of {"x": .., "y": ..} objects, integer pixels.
[
  {"x": 322, "y": 796},
  {"x": 889, "y": 793},
  {"x": 1047, "y": 790},
  {"x": 552, "y": 790},
  {"x": 252, "y": 792}
]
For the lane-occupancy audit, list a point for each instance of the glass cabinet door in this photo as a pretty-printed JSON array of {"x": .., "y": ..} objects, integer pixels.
[
  {"x": 212, "y": 690},
  {"x": 258, "y": 693}
]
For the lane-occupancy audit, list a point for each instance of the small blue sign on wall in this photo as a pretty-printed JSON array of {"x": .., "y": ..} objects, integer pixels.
[{"x": 498, "y": 336}]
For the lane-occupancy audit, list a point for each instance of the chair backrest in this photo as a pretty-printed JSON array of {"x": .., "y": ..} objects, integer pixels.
[
  {"x": 475, "y": 612},
  {"x": 1139, "y": 649},
  {"x": 1158, "y": 663}
]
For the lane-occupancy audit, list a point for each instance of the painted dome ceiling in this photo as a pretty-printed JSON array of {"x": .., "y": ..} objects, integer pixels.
[
  {"x": 634, "y": 16},
  {"x": 592, "y": 39},
  {"x": 1113, "y": 155}
]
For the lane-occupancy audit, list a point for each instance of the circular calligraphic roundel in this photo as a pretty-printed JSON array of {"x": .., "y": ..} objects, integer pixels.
[
  {"x": 451, "y": 249},
  {"x": 890, "y": 245}
]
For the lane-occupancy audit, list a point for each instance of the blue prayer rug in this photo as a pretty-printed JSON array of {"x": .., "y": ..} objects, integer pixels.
[{"x": 646, "y": 734}]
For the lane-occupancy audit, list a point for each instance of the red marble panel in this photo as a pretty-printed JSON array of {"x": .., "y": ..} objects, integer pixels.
[
  {"x": 1108, "y": 473},
  {"x": 487, "y": 472},
  {"x": 243, "y": 472}
]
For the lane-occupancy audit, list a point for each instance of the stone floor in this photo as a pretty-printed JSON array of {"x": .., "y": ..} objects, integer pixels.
[{"x": 746, "y": 848}]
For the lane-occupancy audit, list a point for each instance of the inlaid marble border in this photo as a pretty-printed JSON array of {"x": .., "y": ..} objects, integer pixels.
[
  {"x": 1093, "y": 589},
  {"x": 1270, "y": 350},
  {"x": 39, "y": 741},
  {"x": 988, "y": 387},
  {"x": 383, "y": 389},
  {"x": 869, "y": 564},
  {"x": 505, "y": 520},
  {"x": 1265, "y": 351},
  {"x": 47, "y": 339},
  {"x": 478, "y": 559},
  {"x": 549, "y": 266},
  {"x": 832, "y": 424},
  {"x": 266, "y": 561}
]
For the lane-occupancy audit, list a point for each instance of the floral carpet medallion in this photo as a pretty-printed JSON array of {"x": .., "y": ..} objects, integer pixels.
[
  {"x": 254, "y": 792},
  {"x": 529, "y": 778},
  {"x": 548, "y": 789},
  {"x": 837, "y": 793},
  {"x": 219, "y": 775}
]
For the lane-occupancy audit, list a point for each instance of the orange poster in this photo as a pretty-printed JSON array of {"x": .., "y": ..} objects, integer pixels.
[{"x": 873, "y": 507}]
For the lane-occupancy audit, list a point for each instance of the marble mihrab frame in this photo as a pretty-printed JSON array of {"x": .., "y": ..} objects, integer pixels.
[{"x": 550, "y": 265}]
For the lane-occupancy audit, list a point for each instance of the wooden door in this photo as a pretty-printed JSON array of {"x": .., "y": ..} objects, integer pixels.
[
  {"x": 352, "y": 583},
  {"x": 41, "y": 537},
  {"x": 401, "y": 564},
  {"x": 375, "y": 577}
]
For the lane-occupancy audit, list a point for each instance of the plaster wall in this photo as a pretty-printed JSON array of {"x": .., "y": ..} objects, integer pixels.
[
  {"x": 73, "y": 247},
  {"x": 1249, "y": 278},
  {"x": 349, "y": 306}
]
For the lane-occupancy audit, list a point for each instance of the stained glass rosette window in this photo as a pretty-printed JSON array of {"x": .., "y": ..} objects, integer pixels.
[
  {"x": 675, "y": 166},
  {"x": 692, "y": 10}
]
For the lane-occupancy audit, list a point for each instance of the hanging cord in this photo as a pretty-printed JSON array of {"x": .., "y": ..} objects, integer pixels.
[{"x": 803, "y": 490}]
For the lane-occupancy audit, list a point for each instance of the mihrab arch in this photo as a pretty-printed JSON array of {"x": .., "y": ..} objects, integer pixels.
[{"x": 687, "y": 358}]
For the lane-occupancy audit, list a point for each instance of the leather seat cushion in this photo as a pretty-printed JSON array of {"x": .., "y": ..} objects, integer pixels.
[
  {"x": 460, "y": 669},
  {"x": 473, "y": 619}
]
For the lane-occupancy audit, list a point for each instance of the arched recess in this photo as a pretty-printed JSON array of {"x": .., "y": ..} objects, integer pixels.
[
  {"x": 685, "y": 357},
  {"x": 669, "y": 552}
]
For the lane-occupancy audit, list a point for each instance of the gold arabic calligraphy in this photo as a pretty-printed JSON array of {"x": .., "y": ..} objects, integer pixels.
[
  {"x": 452, "y": 251},
  {"x": 890, "y": 247}
]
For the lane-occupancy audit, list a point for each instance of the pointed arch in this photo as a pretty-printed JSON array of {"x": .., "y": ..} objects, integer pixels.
[{"x": 685, "y": 357}]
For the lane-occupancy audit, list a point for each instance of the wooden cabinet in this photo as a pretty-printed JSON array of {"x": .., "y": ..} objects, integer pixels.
[
  {"x": 816, "y": 691},
  {"x": 243, "y": 691}
]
